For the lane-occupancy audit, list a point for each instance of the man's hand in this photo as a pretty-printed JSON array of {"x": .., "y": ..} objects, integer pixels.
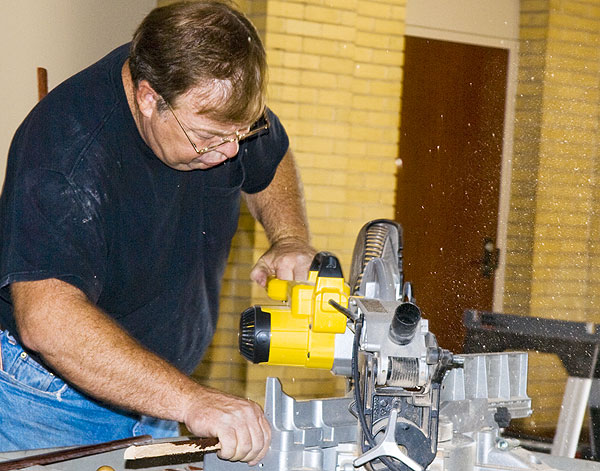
[
  {"x": 239, "y": 424},
  {"x": 287, "y": 259}
]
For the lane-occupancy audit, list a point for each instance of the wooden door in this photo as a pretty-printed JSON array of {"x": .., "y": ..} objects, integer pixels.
[{"x": 449, "y": 177}]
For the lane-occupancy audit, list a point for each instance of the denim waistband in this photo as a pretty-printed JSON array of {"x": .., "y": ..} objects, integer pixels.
[
  {"x": 21, "y": 368},
  {"x": 47, "y": 412}
]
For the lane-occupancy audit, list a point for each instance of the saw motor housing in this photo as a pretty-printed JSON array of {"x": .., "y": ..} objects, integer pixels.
[{"x": 302, "y": 330}]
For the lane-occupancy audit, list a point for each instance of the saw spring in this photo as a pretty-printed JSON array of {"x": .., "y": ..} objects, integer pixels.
[
  {"x": 403, "y": 372},
  {"x": 375, "y": 238}
]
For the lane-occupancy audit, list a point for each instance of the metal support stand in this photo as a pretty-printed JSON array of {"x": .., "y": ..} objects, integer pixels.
[
  {"x": 570, "y": 420},
  {"x": 576, "y": 344}
]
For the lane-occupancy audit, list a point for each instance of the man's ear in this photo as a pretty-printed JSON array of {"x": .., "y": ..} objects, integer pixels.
[{"x": 146, "y": 98}]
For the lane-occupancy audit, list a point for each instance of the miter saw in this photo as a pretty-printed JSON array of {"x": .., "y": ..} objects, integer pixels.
[{"x": 411, "y": 405}]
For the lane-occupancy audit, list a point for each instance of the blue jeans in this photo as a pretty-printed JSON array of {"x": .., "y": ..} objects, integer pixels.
[{"x": 39, "y": 410}]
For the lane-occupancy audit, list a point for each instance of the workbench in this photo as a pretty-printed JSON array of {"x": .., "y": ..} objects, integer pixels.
[{"x": 115, "y": 460}]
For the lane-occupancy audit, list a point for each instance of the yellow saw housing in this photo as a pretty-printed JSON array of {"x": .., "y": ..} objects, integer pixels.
[{"x": 301, "y": 331}]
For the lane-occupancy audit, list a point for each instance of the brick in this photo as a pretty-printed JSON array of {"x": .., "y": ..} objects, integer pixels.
[
  {"x": 365, "y": 24},
  {"x": 286, "y": 9},
  {"x": 574, "y": 49},
  {"x": 323, "y": 14},
  {"x": 588, "y": 25},
  {"x": 348, "y": 18},
  {"x": 533, "y": 33},
  {"x": 284, "y": 75},
  {"x": 293, "y": 94},
  {"x": 388, "y": 57},
  {"x": 398, "y": 12},
  {"x": 287, "y": 111},
  {"x": 281, "y": 42},
  {"x": 567, "y": 134},
  {"x": 317, "y": 111},
  {"x": 582, "y": 9},
  {"x": 375, "y": 118},
  {"x": 534, "y": 5},
  {"x": 339, "y": 32},
  {"x": 304, "y": 28},
  {"x": 314, "y": 144},
  {"x": 395, "y": 43},
  {"x": 372, "y": 40},
  {"x": 345, "y": 82},
  {"x": 324, "y": 80},
  {"x": 320, "y": 46},
  {"x": 373, "y": 71},
  {"x": 539, "y": 20},
  {"x": 574, "y": 36},
  {"x": 350, "y": 148},
  {"x": 578, "y": 78},
  {"x": 374, "y": 9},
  {"x": 391, "y": 27},
  {"x": 361, "y": 102},
  {"x": 336, "y": 65},
  {"x": 361, "y": 86},
  {"x": 325, "y": 193},
  {"x": 334, "y": 97},
  {"x": 363, "y": 54},
  {"x": 340, "y": 4},
  {"x": 318, "y": 177}
]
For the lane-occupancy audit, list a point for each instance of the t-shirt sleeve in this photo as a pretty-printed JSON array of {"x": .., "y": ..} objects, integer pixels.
[
  {"x": 53, "y": 230},
  {"x": 261, "y": 155}
]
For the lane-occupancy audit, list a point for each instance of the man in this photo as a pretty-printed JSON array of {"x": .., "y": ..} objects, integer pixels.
[{"x": 120, "y": 201}]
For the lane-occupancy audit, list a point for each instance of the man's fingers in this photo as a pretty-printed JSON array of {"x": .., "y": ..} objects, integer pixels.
[
  {"x": 244, "y": 433},
  {"x": 260, "y": 273},
  {"x": 260, "y": 433},
  {"x": 285, "y": 273},
  {"x": 266, "y": 433},
  {"x": 228, "y": 440},
  {"x": 288, "y": 259}
]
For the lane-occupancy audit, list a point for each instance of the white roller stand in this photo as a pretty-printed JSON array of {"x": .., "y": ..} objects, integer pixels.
[{"x": 570, "y": 420}]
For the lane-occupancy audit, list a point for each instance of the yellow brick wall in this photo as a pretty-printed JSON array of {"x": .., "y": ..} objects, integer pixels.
[{"x": 552, "y": 257}]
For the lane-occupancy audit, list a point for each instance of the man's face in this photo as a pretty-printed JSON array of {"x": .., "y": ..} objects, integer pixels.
[{"x": 179, "y": 135}]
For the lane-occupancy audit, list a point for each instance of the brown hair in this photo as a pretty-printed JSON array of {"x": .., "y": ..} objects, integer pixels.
[{"x": 203, "y": 45}]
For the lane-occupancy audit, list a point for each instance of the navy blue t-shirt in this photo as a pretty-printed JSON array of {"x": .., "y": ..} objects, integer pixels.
[{"x": 86, "y": 201}]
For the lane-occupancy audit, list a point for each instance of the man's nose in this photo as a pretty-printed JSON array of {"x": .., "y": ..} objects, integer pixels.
[{"x": 230, "y": 149}]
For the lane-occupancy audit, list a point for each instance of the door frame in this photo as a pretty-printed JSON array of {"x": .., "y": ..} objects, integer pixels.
[{"x": 512, "y": 45}]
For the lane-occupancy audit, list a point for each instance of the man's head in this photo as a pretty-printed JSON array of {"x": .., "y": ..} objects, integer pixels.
[{"x": 202, "y": 46}]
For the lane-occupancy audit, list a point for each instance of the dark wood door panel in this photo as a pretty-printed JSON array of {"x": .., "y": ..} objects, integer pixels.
[{"x": 448, "y": 184}]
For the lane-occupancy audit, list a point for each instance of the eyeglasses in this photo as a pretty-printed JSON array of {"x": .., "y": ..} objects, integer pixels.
[{"x": 261, "y": 125}]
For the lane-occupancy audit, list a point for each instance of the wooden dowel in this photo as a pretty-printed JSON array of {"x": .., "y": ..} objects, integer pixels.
[
  {"x": 42, "y": 76},
  {"x": 72, "y": 453},
  {"x": 192, "y": 445}
]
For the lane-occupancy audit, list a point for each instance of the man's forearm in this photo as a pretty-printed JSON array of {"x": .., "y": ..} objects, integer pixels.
[
  {"x": 280, "y": 206},
  {"x": 280, "y": 209},
  {"x": 90, "y": 350}
]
